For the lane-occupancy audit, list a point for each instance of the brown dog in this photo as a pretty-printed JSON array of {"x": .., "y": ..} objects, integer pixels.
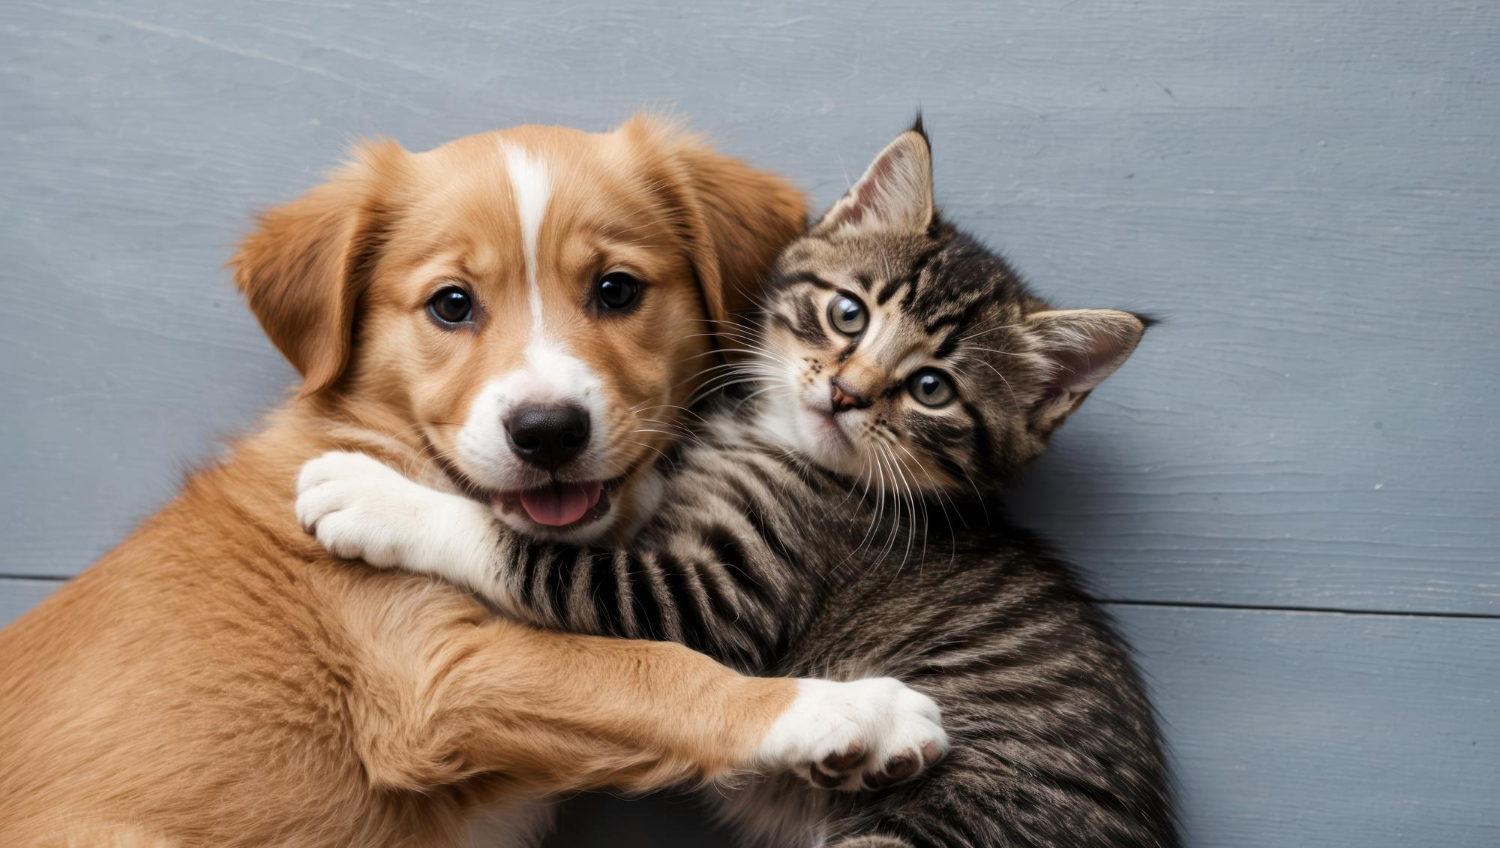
[{"x": 506, "y": 315}]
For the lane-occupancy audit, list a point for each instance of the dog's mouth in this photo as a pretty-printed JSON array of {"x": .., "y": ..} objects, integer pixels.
[{"x": 558, "y": 504}]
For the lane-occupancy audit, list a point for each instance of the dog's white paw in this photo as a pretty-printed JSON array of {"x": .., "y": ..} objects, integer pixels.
[
  {"x": 864, "y": 734},
  {"x": 358, "y": 508}
]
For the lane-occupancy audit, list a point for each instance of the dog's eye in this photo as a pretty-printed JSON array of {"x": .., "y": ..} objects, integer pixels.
[
  {"x": 452, "y": 305},
  {"x": 618, "y": 290},
  {"x": 931, "y": 387},
  {"x": 847, "y": 315}
]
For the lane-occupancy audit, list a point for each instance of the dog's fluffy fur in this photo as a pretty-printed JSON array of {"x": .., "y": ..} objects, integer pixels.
[{"x": 217, "y": 679}]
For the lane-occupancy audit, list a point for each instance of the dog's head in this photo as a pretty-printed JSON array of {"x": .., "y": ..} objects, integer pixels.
[{"x": 533, "y": 306}]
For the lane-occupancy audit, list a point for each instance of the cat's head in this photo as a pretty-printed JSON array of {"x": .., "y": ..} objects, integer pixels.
[{"x": 899, "y": 350}]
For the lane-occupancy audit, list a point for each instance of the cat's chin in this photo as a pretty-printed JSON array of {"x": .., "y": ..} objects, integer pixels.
[
  {"x": 824, "y": 442},
  {"x": 812, "y": 434}
]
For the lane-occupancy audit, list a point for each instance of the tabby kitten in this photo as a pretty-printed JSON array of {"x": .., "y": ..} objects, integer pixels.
[{"x": 832, "y": 521}]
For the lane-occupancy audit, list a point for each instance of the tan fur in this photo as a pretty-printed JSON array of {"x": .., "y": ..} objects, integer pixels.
[
  {"x": 394, "y": 228},
  {"x": 218, "y": 679}
]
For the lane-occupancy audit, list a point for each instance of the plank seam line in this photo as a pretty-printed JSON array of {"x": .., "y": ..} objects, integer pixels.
[{"x": 1483, "y": 616}]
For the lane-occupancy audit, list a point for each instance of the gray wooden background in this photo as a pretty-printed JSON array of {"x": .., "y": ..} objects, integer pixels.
[{"x": 1289, "y": 497}]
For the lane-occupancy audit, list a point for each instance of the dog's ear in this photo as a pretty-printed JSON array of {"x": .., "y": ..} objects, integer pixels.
[
  {"x": 307, "y": 262},
  {"x": 736, "y": 218}
]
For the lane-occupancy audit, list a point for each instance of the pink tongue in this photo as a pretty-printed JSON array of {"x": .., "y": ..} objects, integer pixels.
[{"x": 560, "y": 503}]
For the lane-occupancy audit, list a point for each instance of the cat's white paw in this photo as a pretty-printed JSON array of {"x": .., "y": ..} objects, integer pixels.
[
  {"x": 864, "y": 734},
  {"x": 359, "y": 508}
]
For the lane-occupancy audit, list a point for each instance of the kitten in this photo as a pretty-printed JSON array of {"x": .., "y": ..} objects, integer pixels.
[{"x": 833, "y": 520}]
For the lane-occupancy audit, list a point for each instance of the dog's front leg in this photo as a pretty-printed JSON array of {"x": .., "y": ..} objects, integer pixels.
[
  {"x": 572, "y": 711},
  {"x": 556, "y": 712}
]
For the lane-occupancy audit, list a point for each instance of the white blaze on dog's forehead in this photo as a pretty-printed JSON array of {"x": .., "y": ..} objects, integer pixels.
[
  {"x": 531, "y": 185},
  {"x": 555, "y": 375}
]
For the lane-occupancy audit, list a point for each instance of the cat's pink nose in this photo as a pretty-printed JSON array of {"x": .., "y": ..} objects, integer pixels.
[{"x": 843, "y": 399}]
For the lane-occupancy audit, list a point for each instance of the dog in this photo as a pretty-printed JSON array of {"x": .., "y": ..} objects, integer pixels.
[{"x": 517, "y": 316}]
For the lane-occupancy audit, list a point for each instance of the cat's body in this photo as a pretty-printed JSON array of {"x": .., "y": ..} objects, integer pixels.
[
  {"x": 1054, "y": 742},
  {"x": 839, "y": 519}
]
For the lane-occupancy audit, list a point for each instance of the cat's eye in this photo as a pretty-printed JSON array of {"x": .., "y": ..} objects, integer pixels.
[
  {"x": 451, "y": 305},
  {"x": 618, "y": 290},
  {"x": 931, "y": 387},
  {"x": 847, "y": 315}
]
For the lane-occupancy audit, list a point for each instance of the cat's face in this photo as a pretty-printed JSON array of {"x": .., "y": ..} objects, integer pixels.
[{"x": 898, "y": 350}]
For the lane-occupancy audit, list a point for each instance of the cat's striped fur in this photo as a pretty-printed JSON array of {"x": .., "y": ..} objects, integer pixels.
[{"x": 826, "y": 520}]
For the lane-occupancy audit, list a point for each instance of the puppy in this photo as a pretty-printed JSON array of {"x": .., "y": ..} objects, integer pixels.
[{"x": 515, "y": 316}]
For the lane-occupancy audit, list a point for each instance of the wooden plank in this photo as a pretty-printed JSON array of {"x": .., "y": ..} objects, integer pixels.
[
  {"x": 1319, "y": 729},
  {"x": 1309, "y": 729},
  {"x": 1306, "y": 190}
]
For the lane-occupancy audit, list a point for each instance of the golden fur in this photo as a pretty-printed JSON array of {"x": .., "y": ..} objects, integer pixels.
[{"x": 218, "y": 679}]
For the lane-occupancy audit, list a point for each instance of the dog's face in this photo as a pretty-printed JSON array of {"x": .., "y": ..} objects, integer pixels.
[{"x": 533, "y": 305}]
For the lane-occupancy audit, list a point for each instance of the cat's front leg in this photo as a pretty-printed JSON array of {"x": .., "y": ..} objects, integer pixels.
[{"x": 359, "y": 508}]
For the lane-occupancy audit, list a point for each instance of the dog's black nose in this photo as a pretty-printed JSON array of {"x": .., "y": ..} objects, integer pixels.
[{"x": 548, "y": 436}]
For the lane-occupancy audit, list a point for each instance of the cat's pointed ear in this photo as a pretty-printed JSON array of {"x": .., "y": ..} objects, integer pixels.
[
  {"x": 1079, "y": 348},
  {"x": 894, "y": 195}
]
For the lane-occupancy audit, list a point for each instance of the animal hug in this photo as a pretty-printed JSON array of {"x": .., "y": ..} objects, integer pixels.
[{"x": 609, "y": 469}]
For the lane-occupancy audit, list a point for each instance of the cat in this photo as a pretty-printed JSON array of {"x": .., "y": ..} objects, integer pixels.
[{"x": 834, "y": 512}]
